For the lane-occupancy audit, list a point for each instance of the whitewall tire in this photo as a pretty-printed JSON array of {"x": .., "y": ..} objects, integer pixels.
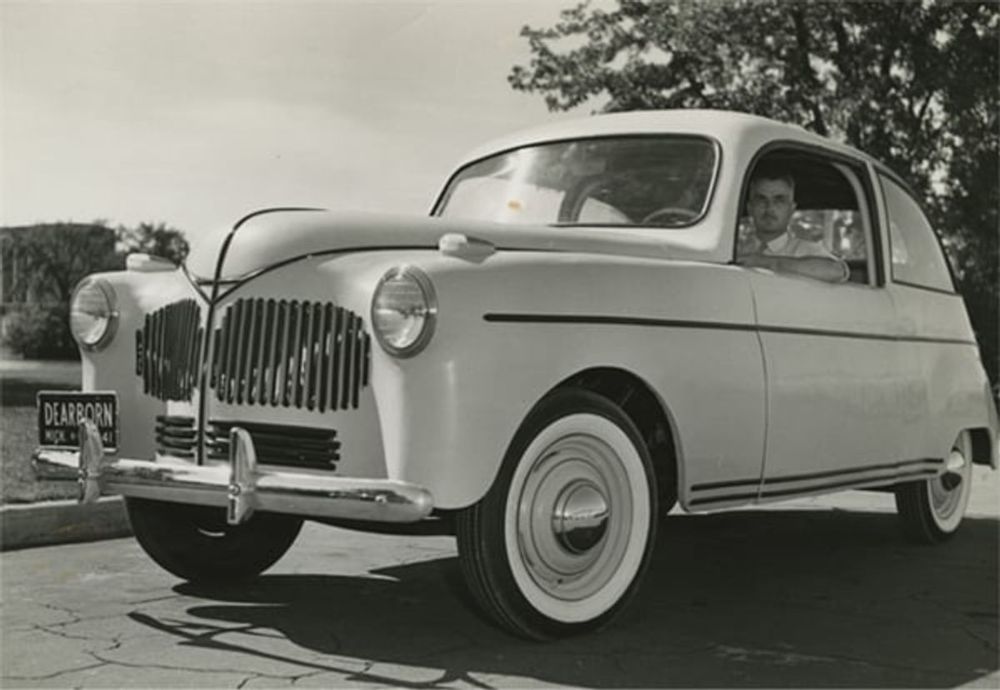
[
  {"x": 931, "y": 511},
  {"x": 560, "y": 542}
]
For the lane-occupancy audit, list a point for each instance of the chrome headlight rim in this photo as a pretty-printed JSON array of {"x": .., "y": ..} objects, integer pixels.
[
  {"x": 426, "y": 287},
  {"x": 111, "y": 329}
]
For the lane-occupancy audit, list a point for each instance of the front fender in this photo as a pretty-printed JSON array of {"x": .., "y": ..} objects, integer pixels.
[
  {"x": 448, "y": 415},
  {"x": 113, "y": 368}
]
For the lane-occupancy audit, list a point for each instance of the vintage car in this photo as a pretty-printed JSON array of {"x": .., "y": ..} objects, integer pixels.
[{"x": 569, "y": 345}]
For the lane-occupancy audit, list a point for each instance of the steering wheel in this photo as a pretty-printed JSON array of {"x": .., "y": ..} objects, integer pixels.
[{"x": 684, "y": 214}]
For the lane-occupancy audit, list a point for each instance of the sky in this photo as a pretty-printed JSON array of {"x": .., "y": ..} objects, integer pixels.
[{"x": 194, "y": 113}]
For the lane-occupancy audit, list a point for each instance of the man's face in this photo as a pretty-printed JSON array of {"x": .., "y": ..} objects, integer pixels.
[{"x": 771, "y": 205}]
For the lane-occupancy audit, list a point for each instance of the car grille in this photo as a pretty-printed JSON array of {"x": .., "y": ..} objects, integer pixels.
[
  {"x": 175, "y": 436},
  {"x": 275, "y": 444},
  {"x": 166, "y": 351},
  {"x": 278, "y": 444},
  {"x": 282, "y": 353},
  {"x": 289, "y": 353}
]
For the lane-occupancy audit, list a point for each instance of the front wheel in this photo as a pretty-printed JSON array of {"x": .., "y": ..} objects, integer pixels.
[
  {"x": 931, "y": 511},
  {"x": 196, "y": 543},
  {"x": 559, "y": 543}
]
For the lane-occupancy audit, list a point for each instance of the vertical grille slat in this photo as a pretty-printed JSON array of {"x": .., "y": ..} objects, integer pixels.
[
  {"x": 193, "y": 367},
  {"x": 295, "y": 336},
  {"x": 266, "y": 345},
  {"x": 167, "y": 351},
  {"x": 222, "y": 347},
  {"x": 312, "y": 368},
  {"x": 304, "y": 352},
  {"x": 238, "y": 340},
  {"x": 367, "y": 365},
  {"x": 170, "y": 329},
  {"x": 325, "y": 346},
  {"x": 337, "y": 347},
  {"x": 253, "y": 368},
  {"x": 279, "y": 353},
  {"x": 232, "y": 355},
  {"x": 161, "y": 317},
  {"x": 246, "y": 353},
  {"x": 358, "y": 359},
  {"x": 214, "y": 373},
  {"x": 182, "y": 345},
  {"x": 154, "y": 383},
  {"x": 147, "y": 353},
  {"x": 178, "y": 345},
  {"x": 348, "y": 352},
  {"x": 290, "y": 353}
]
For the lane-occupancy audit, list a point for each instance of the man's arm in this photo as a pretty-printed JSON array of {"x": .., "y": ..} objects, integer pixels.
[{"x": 831, "y": 270}]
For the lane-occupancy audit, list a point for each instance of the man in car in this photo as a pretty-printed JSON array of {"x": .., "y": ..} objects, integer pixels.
[{"x": 770, "y": 205}]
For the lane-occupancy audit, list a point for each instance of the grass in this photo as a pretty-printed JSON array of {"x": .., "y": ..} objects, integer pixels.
[{"x": 19, "y": 382}]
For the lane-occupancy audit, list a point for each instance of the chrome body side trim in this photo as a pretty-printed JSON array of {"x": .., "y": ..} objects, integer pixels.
[{"x": 240, "y": 486}]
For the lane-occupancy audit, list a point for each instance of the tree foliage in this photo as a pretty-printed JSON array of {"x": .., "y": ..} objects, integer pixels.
[
  {"x": 43, "y": 263},
  {"x": 47, "y": 261},
  {"x": 915, "y": 84},
  {"x": 157, "y": 239}
]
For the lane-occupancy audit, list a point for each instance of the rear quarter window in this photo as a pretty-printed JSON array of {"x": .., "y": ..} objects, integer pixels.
[{"x": 916, "y": 254}]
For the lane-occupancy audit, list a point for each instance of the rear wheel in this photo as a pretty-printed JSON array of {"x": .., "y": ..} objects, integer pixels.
[
  {"x": 559, "y": 543},
  {"x": 196, "y": 543},
  {"x": 931, "y": 511}
]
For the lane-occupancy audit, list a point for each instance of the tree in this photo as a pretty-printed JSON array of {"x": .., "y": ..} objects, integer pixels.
[
  {"x": 41, "y": 266},
  {"x": 157, "y": 239},
  {"x": 915, "y": 84},
  {"x": 45, "y": 262}
]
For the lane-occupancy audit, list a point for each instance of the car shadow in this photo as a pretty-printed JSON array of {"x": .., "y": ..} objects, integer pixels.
[{"x": 739, "y": 599}]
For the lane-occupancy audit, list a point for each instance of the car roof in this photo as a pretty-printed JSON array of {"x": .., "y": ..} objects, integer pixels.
[{"x": 722, "y": 125}]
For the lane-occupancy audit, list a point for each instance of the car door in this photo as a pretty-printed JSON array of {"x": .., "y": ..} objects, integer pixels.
[{"x": 836, "y": 392}]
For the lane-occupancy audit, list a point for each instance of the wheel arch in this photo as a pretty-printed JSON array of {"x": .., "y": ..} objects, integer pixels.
[
  {"x": 651, "y": 415},
  {"x": 983, "y": 451}
]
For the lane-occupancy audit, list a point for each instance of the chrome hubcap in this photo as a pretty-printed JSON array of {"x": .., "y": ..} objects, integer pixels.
[
  {"x": 574, "y": 517},
  {"x": 580, "y": 518},
  {"x": 946, "y": 490}
]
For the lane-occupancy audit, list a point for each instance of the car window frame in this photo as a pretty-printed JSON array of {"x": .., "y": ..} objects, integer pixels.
[
  {"x": 859, "y": 167},
  {"x": 883, "y": 171},
  {"x": 705, "y": 209}
]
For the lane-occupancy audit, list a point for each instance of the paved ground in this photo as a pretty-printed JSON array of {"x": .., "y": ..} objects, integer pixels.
[{"x": 819, "y": 593}]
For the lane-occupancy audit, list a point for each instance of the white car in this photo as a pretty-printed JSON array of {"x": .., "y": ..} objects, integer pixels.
[{"x": 565, "y": 349}]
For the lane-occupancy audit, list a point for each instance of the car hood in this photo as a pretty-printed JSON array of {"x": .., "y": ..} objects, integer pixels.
[{"x": 272, "y": 237}]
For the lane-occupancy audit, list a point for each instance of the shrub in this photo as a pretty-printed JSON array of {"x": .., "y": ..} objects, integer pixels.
[{"x": 40, "y": 332}]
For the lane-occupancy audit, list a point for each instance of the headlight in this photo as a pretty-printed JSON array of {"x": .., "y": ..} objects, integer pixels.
[
  {"x": 404, "y": 310},
  {"x": 93, "y": 314}
]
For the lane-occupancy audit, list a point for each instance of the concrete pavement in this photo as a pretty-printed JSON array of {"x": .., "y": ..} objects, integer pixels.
[{"x": 819, "y": 594}]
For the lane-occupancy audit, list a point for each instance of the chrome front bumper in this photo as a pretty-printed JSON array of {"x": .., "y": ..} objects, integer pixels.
[{"x": 240, "y": 487}]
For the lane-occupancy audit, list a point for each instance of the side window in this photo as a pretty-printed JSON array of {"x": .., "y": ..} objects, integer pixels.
[
  {"x": 831, "y": 209},
  {"x": 917, "y": 258}
]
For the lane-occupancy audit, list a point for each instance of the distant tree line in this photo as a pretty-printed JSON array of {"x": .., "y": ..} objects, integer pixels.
[
  {"x": 42, "y": 264},
  {"x": 915, "y": 84}
]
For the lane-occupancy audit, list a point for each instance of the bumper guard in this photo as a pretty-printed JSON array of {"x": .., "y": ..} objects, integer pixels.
[{"x": 240, "y": 488}]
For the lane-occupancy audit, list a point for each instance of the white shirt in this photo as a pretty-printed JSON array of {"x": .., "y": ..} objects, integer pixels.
[{"x": 789, "y": 245}]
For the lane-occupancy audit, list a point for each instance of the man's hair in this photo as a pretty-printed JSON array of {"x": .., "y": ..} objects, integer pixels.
[{"x": 771, "y": 171}]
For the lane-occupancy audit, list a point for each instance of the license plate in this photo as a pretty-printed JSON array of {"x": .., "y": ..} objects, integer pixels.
[{"x": 60, "y": 414}]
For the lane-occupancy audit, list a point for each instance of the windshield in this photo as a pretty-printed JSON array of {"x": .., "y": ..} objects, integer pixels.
[{"x": 650, "y": 181}]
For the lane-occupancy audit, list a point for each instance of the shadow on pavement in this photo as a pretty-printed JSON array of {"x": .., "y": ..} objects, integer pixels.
[{"x": 739, "y": 599}]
